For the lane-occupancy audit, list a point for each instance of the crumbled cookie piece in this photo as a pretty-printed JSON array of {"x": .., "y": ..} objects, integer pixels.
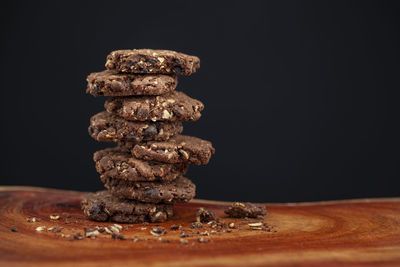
[
  {"x": 183, "y": 241},
  {"x": 175, "y": 227},
  {"x": 33, "y": 219},
  {"x": 41, "y": 228},
  {"x": 118, "y": 236},
  {"x": 196, "y": 225},
  {"x": 54, "y": 217},
  {"x": 158, "y": 231},
  {"x": 77, "y": 236},
  {"x": 204, "y": 215},
  {"x": 203, "y": 240},
  {"x": 91, "y": 233},
  {"x": 243, "y": 210}
]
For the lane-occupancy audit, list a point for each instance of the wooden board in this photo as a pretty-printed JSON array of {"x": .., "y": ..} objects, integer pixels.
[{"x": 354, "y": 233}]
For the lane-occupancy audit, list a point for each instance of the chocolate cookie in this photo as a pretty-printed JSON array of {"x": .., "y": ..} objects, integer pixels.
[
  {"x": 152, "y": 61},
  {"x": 110, "y": 83},
  {"x": 112, "y": 162},
  {"x": 179, "y": 190},
  {"x": 175, "y": 106},
  {"x": 107, "y": 127},
  {"x": 243, "y": 210},
  {"x": 178, "y": 149},
  {"x": 102, "y": 206}
]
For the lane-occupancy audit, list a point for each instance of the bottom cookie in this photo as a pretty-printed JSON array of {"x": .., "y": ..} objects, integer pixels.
[
  {"x": 179, "y": 190},
  {"x": 102, "y": 206}
]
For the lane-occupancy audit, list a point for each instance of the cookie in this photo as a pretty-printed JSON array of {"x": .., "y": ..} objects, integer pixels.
[
  {"x": 175, "y": 106},
  {"x": 179, "y": 190},
  {"x": 110, "y": 83},
  {"x": 243, "y": 210},
  {"x": 112, "y": 162},
  {"x": 152, "y": 61},
  {"x": 102, "y": 206},
  {"x": 178, "y": 149},
  {"x": 107, "y": 127}
]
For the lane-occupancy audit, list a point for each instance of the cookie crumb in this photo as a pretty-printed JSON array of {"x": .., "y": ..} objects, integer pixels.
[
  {"x": 245, "y": 210},
  {"x": 54, "y": 217},
  {"x": 203, "y": 215},
  {"x": 175, "y": 227},
  {"x": 206, "y": 233},
  {"x": 118, "y": 236},
  {"x": 196, "y": 225},
  {"x": 91, "y": 233},
  {"x": 183, "y": 234},
  {"x": 158, "y": 231},
  {"x": 33, "y": 219},
  {"x": 77, "y": 236},
  {"x": 41, "y": 228},
  {"x": 203, "y": 240}
]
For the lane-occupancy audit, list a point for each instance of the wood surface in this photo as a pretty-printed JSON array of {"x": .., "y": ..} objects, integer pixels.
[{"x": 349, "y": 233}]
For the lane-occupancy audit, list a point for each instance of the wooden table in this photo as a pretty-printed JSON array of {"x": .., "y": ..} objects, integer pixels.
[{"x": 352, "y": 233}]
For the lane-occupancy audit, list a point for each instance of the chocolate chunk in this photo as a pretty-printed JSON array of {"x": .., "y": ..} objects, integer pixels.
[
  {"x": 131, "y": 137},
  {"x": 150, "y": 131}
]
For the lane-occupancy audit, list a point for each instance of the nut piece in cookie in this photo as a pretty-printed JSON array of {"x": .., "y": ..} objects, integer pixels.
[
  {"x": 149, "y": 61},
  {"x": 243, "y": 210}
]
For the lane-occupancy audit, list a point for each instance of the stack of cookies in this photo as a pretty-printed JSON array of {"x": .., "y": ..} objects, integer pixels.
[{"x": 144, "y": 172}]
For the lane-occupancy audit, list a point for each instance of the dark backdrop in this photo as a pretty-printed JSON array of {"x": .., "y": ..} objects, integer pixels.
[{"x": 301, "y": 97}]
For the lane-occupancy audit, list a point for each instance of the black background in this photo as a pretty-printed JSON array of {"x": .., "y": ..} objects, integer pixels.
[{"x": 302, "y": 98}]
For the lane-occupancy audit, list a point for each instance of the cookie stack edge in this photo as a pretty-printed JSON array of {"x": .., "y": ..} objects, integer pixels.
[{"x": 144, "y": 173}]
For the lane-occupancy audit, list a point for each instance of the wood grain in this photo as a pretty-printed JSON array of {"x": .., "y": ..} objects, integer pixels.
[{"x": 351, "y": 233}]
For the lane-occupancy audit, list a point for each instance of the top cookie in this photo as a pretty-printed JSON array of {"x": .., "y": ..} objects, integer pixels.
[
  {"x": 152, "y": 61},
  {"x": 111, "y": 83}
]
